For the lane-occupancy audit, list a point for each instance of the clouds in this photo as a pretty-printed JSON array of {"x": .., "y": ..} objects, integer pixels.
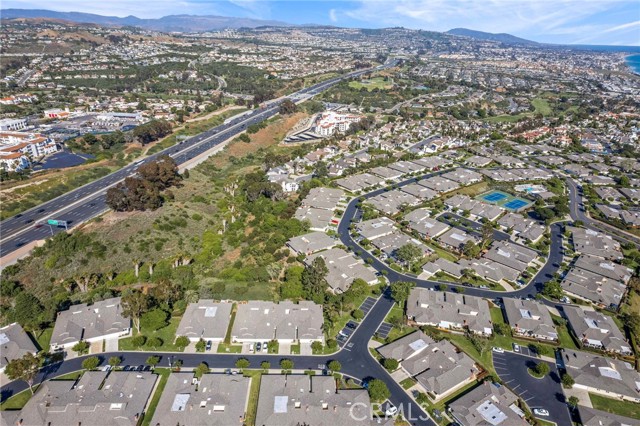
[
  {"x": 563, "y": 21},
  {"x": 333, "y": 16}
]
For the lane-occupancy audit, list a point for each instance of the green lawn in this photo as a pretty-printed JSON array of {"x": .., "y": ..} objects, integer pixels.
[
  {"x": 43, "y": 337},
  {"x": 564, "y": 336},
  {"x": 542, "y": 106},
  {"x": 396, "y": 333},
  {"x": 615, "y": 406},
  {"x": 164, "y": 376},
  {"x": 295, "y": 349},
  {"x": 71, "y": 376},
  {"x": 224, "y": 348},
  {"x": 17, "y": 401},
  {"x": 374, "y": 83},
  {"x": 166, "y": 334},
  {"x": 254, "y": 391},
  {"x": 407, "y": 383}
]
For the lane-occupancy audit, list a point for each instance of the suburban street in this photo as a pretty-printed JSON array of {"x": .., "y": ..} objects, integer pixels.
[
  {"x": 354, "y": 354},
  {"x": 88, "y": 201}
]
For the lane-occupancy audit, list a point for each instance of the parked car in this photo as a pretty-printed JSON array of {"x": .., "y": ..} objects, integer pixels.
[
  {"x": 391, "y": 410},
  {"x": 258, "y": 347},
  {"x": 540, "y": 412},
  {"x": 209, "y": 343},
  {"x": 516, "y": 347},
  {"x": 352, "y": 325},
  {"x": 126, "y": 368},
  {"x": 265, "y": 347},
  {"x": 497, "y": 350},
  {"x": 251, "y": 346}
]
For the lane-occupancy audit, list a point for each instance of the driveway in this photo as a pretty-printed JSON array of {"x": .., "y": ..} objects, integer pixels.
[{"x": 544, "y": 393}]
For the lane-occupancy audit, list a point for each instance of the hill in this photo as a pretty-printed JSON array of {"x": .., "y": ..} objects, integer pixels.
[
  {"x": 480, "y": 35},
  {"x": 179, "y": 23}
]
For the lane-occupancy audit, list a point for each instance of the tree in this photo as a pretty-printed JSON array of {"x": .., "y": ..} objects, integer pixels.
[
  {"x": 182, "y": 341},
  {"x": 91, "y": 363},
  {"x": 201, "y": 369},
  {"x": 400, "y": 291},
  {"x": 288, "y": 107},
  {"x": 314, "y": 283},
  {"x": 286, "y": 364},
  {"x": 292, "y": 286},
  {"x": 552, "y": 289},
  {"x": 567, "y": 381},
  {"x": 316, "y": 346},
  {"x": 573, "y": 402},
  {"x": 471, "y": 249},
  {"x": 390, "y": 364},
  {"x": 114, "y": 361},
  {"x": 25, "y": 368},
  {"x": 138, "y": 340},
  {"x": 242, "y": 363},
  {"x": 541, "y": 369},
  {"x": 201, "y": 345},
  {"x": 154, "y": 320},
  {"x": 334, "y": 365},
  {"x": 487, "y": 234},
  {"x": 153, "y": 360},
  {"x": 134, "y": 304},
  {"x": 154, "y": 342},
  {"x": 408, "y": 253},
  {"x": 265, "y": 365},
  {"x": 27, "y": 310},
  {"x": 378, "y": 390},
  {"x": 357, "y": 314},
  {"x": 81, "y": 347}
]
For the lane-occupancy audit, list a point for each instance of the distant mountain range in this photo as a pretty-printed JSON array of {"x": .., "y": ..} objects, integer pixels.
[
  {"x": 178, "y": 23},
  {"x": 479, "y": 35},
  {"x": 196, "y": 23}
]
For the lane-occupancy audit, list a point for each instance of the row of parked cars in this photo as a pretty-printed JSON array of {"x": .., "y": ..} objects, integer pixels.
[{"x": 259, "y": 347}]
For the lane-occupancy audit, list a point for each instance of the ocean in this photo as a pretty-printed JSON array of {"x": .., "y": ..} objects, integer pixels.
[{"x": 634, "y": 63}]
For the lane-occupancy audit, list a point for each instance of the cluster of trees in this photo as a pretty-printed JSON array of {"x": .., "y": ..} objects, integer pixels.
[
  {"x": 143, "y": 192},
  {"x": 152, "y": 131},
  {"x": 288, "y": 107},
  {"x": 553, "y": 209},
  {"x": 257, "y": 185}
]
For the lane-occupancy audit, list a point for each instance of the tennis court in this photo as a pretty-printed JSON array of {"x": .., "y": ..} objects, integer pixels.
[{"x": 505, "y": 200}]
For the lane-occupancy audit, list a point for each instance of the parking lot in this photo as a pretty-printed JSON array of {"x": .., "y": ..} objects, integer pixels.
[
  {"x": 350, "y": 327},
  {"x": 367, "y": 305},
  {"x": 383, "y": 330},
  {"x": 543, "y": 393},
  {"x": 524, "y": 350}
]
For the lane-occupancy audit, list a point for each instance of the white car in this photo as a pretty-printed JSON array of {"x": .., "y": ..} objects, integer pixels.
[
  {"x": 516, "y": 347},
  {"x": 251, "y": 347},
  {"x": 265, "y": 347},
  {"x": 391, "y": 410},
  {"x": 497, "y": 350},
  {"x": 540, "y": 412}
]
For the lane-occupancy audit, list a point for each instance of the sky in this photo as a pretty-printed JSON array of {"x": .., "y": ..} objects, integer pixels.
[{"x": 607, "y": 22}]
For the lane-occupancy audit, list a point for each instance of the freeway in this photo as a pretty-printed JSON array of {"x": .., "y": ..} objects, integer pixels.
[{"x": 88, "y": 201}]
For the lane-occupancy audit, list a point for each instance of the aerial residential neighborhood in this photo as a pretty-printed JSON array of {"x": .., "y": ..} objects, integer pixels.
[{"x": 320, "y": 213}]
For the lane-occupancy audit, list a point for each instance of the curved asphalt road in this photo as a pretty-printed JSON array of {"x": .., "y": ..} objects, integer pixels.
[{"x": 355, "y": 357}]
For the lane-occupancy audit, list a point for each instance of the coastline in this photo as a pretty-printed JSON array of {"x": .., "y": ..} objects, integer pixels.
[{"x": 634, "y": 70}]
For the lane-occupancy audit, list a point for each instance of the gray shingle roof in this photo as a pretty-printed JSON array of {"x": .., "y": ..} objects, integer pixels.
[
  {"x": 14, "y": 343},
  {"x": 487, "y": 405},
  {"x": 262, "y": 321},
  {"x": 84, "y": 322},
  {"x": 530, "y": 317},
  {"x": 206, "y": 319},
  {"x": 217, "y": 400}
]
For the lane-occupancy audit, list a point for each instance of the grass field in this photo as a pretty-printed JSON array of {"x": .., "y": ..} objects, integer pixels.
[
  {"x": 43, "y": 337},
  {"x": 17, "y": 401},
  {"x": 542, "y": 106},
  {"x": 374, "y": 83},
  {"x": 166, "y": 334},
  {"x": 615, "y": 406}
]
